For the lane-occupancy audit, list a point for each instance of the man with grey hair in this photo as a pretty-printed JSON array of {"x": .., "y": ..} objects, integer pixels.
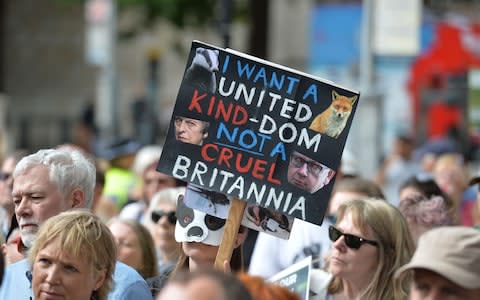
[
  {"x": 446, "y": 265},
  {"x": 45, "y": 184}
]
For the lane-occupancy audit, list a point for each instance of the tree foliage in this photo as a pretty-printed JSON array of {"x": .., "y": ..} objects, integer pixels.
[
  {"x": 178, "y": 12},
  {"x": 181, "y": 13}
]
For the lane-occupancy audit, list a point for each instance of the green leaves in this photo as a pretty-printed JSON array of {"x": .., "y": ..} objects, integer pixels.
[{"x": 179, "y": 12}]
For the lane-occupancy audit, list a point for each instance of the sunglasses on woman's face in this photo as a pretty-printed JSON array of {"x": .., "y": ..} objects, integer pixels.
[
  {"x": 158, "y": 214},
  {"x": 352, "y": 241}
]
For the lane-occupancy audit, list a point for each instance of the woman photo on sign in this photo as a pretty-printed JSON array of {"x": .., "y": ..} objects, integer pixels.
[{"x": 192, "y": 131}]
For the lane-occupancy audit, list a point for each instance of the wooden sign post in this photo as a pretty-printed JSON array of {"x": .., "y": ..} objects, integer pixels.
[{"x": 232, "y": 225}]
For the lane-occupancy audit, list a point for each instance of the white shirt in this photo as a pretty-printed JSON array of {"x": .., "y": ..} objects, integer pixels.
[{"x": 272, "y": 255}]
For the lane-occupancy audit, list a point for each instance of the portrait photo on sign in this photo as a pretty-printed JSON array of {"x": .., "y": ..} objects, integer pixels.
[
  {"x": 192, "y": 131},
  {"x": 267, "y": 220},
  {"x": 308, "y": 174},
  {"x": 333, "y": 120},
  {"x": 209, "y": 202}
]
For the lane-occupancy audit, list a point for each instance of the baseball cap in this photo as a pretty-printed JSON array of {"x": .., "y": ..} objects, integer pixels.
[{"x": 452, "y": 252}]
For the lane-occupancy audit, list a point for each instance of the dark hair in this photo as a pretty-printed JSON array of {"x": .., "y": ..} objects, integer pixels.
[
  {"x": 428, "y": 189},
  {"x": 424, "y": 184},
  {"x": 100, "y": 177},
  {"x": 206, "y": 126},
  {"x": 404, "y": 138},
  {"x": 232, "y": 287},
  {"x": 236, "y": 262},
  {"x": 13, "y": 226}
]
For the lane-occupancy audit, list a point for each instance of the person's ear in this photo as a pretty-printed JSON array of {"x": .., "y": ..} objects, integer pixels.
[
  {"x": 330, "y": 175},
  {"x": 4, "y": 249},
  {"x": 205, "y": 135},
  {"x": 241, "y": 236},
  {"x": 100, "y": 279},
  {"x": 78, "y": 199}
]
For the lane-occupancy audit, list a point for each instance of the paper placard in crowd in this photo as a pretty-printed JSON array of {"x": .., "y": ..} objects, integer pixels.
[
  {"x": 296, "y": 277},
  {"x": 258, "y": 131}
]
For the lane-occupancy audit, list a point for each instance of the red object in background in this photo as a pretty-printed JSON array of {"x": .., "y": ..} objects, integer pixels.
[
  {"x": 455, "y": 50},
  {"x": 441, "y": 118}
]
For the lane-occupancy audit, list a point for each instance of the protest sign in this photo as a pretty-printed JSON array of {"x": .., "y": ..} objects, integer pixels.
[
  {"x": 258, "y": 131},
  {"x": 296, "y": 277}
]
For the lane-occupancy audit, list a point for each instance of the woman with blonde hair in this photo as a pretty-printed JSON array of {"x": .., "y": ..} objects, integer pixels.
[
  {"x": 73, "y": 256},
  {"x": 371, "y": 240}
]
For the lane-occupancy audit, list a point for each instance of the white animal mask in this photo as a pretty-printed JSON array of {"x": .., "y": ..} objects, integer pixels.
[{"x": 196, "y": 226}]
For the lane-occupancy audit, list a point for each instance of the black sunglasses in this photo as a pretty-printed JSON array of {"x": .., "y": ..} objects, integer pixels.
[
  {"x": 158, "y": 214},
  {"x": 352, "y": 241}
]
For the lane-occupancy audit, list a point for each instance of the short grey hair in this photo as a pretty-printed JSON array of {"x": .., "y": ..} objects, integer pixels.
[
  {"x": 167, "y": 195},
  {"x": 145, "y": 157},
  {"x": 69, "y": 169}
]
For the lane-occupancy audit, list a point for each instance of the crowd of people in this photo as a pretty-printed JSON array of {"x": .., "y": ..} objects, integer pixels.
[{"x": 88, "y": 227}]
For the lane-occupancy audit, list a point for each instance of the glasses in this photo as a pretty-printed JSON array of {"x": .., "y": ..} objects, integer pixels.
[
  {"x": 158, "y": 214},
  {"x": 312, "y": 166},
  {"x": 5, "y": 176},
  {"x": 352, "y": 241}
]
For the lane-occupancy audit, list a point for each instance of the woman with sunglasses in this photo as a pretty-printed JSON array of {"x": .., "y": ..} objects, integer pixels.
[
  {"x": 160, "y": 220},
  {"x": 370, "y": 241}
]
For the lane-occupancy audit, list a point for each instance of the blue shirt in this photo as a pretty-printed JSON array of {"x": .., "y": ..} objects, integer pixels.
[{"x": 128, "y": 284}]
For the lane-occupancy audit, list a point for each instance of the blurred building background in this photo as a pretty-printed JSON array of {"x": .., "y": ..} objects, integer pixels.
[{"x": 70, "y": 66}]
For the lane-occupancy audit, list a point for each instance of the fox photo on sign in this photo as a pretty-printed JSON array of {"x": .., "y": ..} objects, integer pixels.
[{"x": 258, "y": 131}]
